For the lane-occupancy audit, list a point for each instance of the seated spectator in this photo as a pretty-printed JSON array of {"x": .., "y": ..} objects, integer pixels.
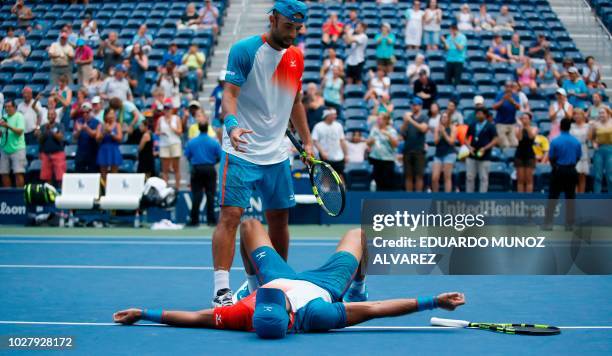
[
  {"x": 333, "y": 90},
  {"x": 169, "y": 130},
  {"x": 128, "y": 116},
  {"x": 84, "y": 135},
  {"x": 504, "y": 20},
  {"x": 379, "y": 84},
  {"x": 432, "y": 20},
  {"x": 471, "y": 117},
  {"x": 97, "y": 110},
  {"x": 111, "y": 50},
  {"x": 117, "y": 86},
  {"x": 21, "y": 53},
  {"x": 83, "y": 58},
  {"x": 592, "y": 73},
  {"x": 190, "y": 19},
  {"x": 33, "y": 113},
  {"x": 194, "y": 61},
  {"x": 540, "y": 148},
  {"x": 173, "y": 55},
  {"x": 539, "y": 48},
  {"x": 455, "y": 44},
  {"x": 558, "y": 110},
  {"x": 146, "y": 157},
  {"x": 51, "y": 150},
  {"x": 385, "y": 42},
  {"x": 89, "y": 29},
  {"x": 139, "y": 63},
  {"x": 332, "y": 61},
  {"x": 24, "y": 15},
  {"x": 413, "y": 32},
  {"x": 10, "y": 43},
  {"x": 356, "y": 148},
  {"x": 416, "y": 67},
  {"x": 328, "y": 138},
  {"x": 497, "y": 51},
  {"x": 426, "y": 89},
  {"x": 142, "y": 38},
  {"x": 577, "y": 91},
  {"x": 61, "y": 54},
  {"x": 357, "y": 41},
  {"x": 433, "y": 116},
  {"x": 506, "y": 104},
  {"x": 208, "y": 17},
  {"x": 13, "y": 149},
  {"x": 332, "y": 30},
  {"x": 465, "y": 18},
  {"x": 453, "y": 114},
  {"x": 523, "y": 100},
  {"x": 580, "y": 130},
  {"x": 565, "y": 66},
  {"x": 445, "y": 156},
  {"x": 527, "y": 74},
  {"x": 524, "y": 157},
  {"x": 596, "y": 108},
  {"x": 601, "y": 135},
  {"x": 109, "y": 136},
  {"x": 413, "y": 132},
  {"x": 314, "y": 104},
  {"x": 168, "y": 81},
  {"x": 515, "y": 50},
  {"x": 483, "y": 21},
  {"x": 75, "y": 108},
  {"x": 383, "y": 142},
  {"x": 549, "y": 73},
  {"x": 483, "y": 137}
]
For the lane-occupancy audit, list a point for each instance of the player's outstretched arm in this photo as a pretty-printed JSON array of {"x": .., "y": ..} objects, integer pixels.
[
  {"x": 188, "y": 319},
  {"x": 360, "y": 312}
]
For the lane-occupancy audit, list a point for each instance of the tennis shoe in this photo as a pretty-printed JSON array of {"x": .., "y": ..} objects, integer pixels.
[
  {"x": 242, "y": 292},
  {"x": 223, "y": 298}
]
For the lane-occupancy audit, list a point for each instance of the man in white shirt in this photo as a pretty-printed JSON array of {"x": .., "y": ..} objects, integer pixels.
[
  {"x": 117, "y": 86},
  {"x": 61, "y": 54},
  {"x": 357, "y": 41},
  {"x": 33, "y": 113},
  {"x": 328, "y": 138}
]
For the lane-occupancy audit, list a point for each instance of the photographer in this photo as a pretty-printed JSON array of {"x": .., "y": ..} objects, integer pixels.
[{"x": 12, "y": 145}]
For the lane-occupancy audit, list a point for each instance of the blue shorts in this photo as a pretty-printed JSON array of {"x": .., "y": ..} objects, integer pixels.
[
  {"x": 449, "y": 158},
  {"x": 239, "y": 178},
  {"x": 431, "y": 38},
  {"x": 335, "y": 276}
]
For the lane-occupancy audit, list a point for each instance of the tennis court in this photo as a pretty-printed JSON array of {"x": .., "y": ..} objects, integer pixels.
[{"x": 70, "y": 281}]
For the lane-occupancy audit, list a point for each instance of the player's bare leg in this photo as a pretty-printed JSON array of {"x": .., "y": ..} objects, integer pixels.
[
  {"x": 354, "y": 242},
  {"x": 278, "y": 230},
  {"x": 223, "y": 248}
]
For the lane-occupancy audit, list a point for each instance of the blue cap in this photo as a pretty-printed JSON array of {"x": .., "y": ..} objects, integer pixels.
[
  {"x": 80, "y": 42},
  {"x": 417, "y": 101},
  {"x": 270, "y": 319},
  {"x": 120, "y": 68},
  {"x": 290, "y": 8}
]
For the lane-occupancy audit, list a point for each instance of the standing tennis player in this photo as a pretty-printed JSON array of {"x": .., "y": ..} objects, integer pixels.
[{"x": 263, "y": 85}]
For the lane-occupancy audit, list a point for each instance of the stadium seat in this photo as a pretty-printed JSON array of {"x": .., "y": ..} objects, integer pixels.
[
  {"x": 123, "y": 191},
  {"x": 358, "y": 176},
  {"x": 128, "y": 166},
  {"x": 499, "y": 177},
  {"x": 70, "y": 151},
  {"x": 129, "y": 151}
]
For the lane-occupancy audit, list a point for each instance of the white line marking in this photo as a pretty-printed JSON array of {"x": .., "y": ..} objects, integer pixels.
[
  {"x": 180, "y": 268},
  {"x": 112, "y": 242},
  {"x": 365, "y": 327}
]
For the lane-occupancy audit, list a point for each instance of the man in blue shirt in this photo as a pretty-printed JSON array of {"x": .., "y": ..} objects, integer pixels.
[
  {"x": 565, "y": 152},
  {"x": 456, "y": 49},
  {"x": 506, "y": 104},
  {"x": 203, "y": 153},
  {"x": 172, "y": 55}
]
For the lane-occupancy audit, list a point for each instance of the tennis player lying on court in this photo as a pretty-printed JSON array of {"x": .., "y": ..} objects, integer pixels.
[{"x": 310, "y": 301}]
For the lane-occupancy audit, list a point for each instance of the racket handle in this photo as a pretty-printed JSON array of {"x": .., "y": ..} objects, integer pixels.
[{"x": 453, "y": 323}]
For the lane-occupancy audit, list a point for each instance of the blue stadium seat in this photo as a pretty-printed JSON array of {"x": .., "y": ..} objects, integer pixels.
[
  {"x": 21, "y": 78},
  {"x": 542, "y": 177},
  {"x": 499, "y": 177},
  {"x": 12, "y": 91},
  {"x": 355, "y": 114},
  {"x": 70, "y": 151},
  {"x": 129, "y": 151},
  {"x": 311, "y": 77},
  {"x": 400, "y": 91},
  {"x": 128, "y": 166},
  {"x": 354, "y": 91},
  {"x": 358, "y": 176},
  {"x": 356, "y": 125},
  {"x": 354, "y": 103}
]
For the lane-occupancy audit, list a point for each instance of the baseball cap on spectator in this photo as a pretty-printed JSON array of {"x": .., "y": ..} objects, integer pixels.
[
  {"x": 120, "y": 68},
  {"x": 64, "y": 34},
  {"x": 561, "y": 91},
  {"x": 222, "y": 75},
  {"x": 96, "y": 100},
  {"x": 417, "y": 101},
  {"x": 195, "y": 103},
  {"x": 86, "y": 106},
  {"x": 291, "y": 8},
  {"x": 328, "y": 112},
  {"x": 387, "y": 25},
  {"x": 573, "y": 70},
  {"x": 168, "y": 103},
  {"x": 478, "y": 100},
  {"x": 80, "y": 42}
]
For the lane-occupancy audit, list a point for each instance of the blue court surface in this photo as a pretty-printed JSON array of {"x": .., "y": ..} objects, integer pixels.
[{"x": 71, "y": 287}]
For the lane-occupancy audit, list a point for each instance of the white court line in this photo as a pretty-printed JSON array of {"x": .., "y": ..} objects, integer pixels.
[
  {"x": 111, "y": 242},
  {"x": 185, "y": 268},
  {"x": 365, "y": 327}
]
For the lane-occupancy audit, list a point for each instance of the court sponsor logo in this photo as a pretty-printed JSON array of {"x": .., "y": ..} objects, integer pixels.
[{"x": 6, "y": 209}]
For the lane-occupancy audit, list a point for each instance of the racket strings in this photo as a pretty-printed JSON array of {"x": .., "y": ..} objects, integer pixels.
[{"x": 328, "y": 188}]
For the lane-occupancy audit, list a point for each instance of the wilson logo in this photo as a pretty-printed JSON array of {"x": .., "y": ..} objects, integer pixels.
[{"x": 6, "y": 209}]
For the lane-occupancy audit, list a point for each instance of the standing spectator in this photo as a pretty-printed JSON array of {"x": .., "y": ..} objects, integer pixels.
[
  {"x": 381, "y": 105},
  {"x": 483, "y": 21},
  {"x": 379, "y": 84},
  {"x": 433, "y": 116},
  {"x": 72, "y": 37},
  {"x": 483, "y": 138},
  {"x": 117, "y": 86},
  {"x": 170, "y": 84},
  {"x": 453, "y": 114},
  {"x": 192, "y": 117},
  {"x": 128, "y": 117},
  {"x": 465, "y": 18},
  {"x": 558, "y": 110},
  {"x": 471, "y": 117},
  {"x": 142, "y": 38},
  {"x": 539, "y": 48},
  {"x": 596, "y": 108},
  {"x": 97, "y": 111},
  {"x": 385, "y": 42},
  {"x": 13, "y": 154},
  {"x": 169, "y": 130},
  {"x": 21, "y": 53},
  {"x": 61, "y": 54},
  {"x": 111, "y": 50},
  {"x": 215, "y": 101},
  {"x": 549, "y": 73},
  {"x": 33, "y": 114},
  {"x": 591, "y": 73},
  {"x": 383, "y": 142},
  {"x": 414, "y": 26},
  {"x": 314, "y": 104},
  {"x": 456, "y": 49},
  {"x": 332, "y": 29},
  {"x": 577, "y": 91},
  {"x": 109, "y": 136},
  {"x": 10, "y": 43},
  {"x": 190, "y": 19},
  {"x": 333, "y": 90},
  {"x": 328, "y": 138},
  {"x": 523, "y": 99},
  {"x": 416, "y": 67},
  {"x": 426, "y": 89},
  {"x": 24, "y": 15},
  {"x": 139, "y": 64},
  {"x": 504, "y": 20},
  {"x": 52, "y": 156},
  {"x": 497, "y": 51},
  {"x": 353, "y": 19},
  {"x": 203, "y": 152},
  {"x": 356, "y": 148},
  {"x": 76, "y": 107},
  {"x": 194, "y": 61},
  {"x": 94, "y": 84},
  {"x": 527, "y": 74},
  {"x": 601, "y": 135},
  {"x": 83, "y": 58},
  {"x": 445, "y": 156},
  {"x": 208, "y": 17},
  {"x": 432, "y": 19},
  {"x": 84, "y": 134},
  {"x": 413, "y": 131},
  {"x": 146, "y": 158},
  {"x": 515, "y": 50},
  {"x": 580, "y": 129},
  {"x": 62, "y": 93},
  {"x": 524, "y": 157},
  {"x": 330, "y": 63},
  {"x": 506, "y": 104},
  {"x": 357, "y": 42},
  {"x": 565, "y": 152},
  {"x": 89, "y": 29}
]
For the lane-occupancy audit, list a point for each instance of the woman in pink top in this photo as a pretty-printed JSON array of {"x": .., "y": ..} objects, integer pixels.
[{"x": 527, "y": 74}]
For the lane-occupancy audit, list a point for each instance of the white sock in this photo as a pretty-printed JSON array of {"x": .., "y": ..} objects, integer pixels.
[
  {"x": 253, "y": 283},
  {"x": 358, "y": 285},
  {"x": 221, "y": 280}
]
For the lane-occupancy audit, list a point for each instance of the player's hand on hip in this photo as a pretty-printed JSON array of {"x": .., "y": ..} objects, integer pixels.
[
  {"x": 450, "y": 301},
  {"x": 127, "y": 317},
  {"x": 236, "y": 138}
]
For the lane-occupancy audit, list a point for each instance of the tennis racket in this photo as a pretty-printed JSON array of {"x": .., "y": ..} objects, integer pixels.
[
  {"x": 516, "y": 329},
  {"x": 327, "y": 185}
]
